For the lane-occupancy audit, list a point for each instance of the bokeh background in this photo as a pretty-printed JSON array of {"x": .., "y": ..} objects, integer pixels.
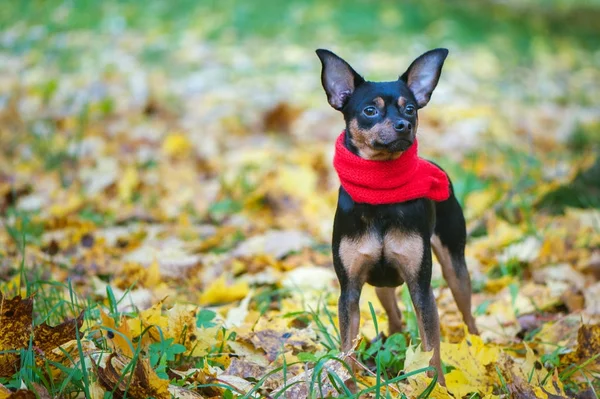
[
  {"x": 182, "y": 149},
  {"x": 107, "y": 93}
]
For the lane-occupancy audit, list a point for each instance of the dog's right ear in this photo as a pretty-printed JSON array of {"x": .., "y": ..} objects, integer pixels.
[{"x": 338, "y": 78}]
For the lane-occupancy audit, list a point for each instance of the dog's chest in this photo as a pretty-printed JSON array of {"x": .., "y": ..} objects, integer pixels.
[{"x": 385, "y": 259}]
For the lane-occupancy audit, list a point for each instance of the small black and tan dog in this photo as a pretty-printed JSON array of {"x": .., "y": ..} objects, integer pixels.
[{"x": 388, "y": 243}]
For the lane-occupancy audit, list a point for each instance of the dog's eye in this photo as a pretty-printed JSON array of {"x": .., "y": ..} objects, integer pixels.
[
  {"x": 370, "y": 111},
  {"x": 409, "y": 110}
]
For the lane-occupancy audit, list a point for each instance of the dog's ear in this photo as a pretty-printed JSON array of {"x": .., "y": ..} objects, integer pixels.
[
  {"x": 423, "y": 74},
  {"x": 338, "y": 78}
]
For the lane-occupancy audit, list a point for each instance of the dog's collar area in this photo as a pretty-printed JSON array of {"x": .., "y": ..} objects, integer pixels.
[{"x": 386, "y": 182}]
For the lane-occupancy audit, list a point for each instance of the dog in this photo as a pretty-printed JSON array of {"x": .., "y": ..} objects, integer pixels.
[{"x": 393, "y": 207}]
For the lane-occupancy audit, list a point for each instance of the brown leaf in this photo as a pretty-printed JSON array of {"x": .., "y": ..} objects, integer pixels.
[
  {"x": 280, "y": 118},
  {"x": 300, "y": 386},
  {"x": 520, "y": 389},
  {"x": 588, "y": 347},
  {"x": 142, "y": 384},
  {"x": 15, "y": 331},
  {"x": 573, "y": 300},
  {"x": 22, "y": 394},
  {"x": 39, "y": 392},
  {"x": 275, "y": 342},
  {"x": 47, "y": 338},
  {"x": 247, "y": 369}
]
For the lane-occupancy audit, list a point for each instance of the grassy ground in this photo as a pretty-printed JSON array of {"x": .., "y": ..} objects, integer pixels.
[{"x": 165, "y": 169}]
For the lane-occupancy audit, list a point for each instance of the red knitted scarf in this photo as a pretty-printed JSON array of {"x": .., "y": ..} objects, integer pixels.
[{"x": 385, "y": 182}]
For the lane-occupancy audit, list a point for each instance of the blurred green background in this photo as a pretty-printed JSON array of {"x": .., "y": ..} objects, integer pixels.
[
  {"x": 519, "y": 92},
  {"x": 366, "y": 23}
]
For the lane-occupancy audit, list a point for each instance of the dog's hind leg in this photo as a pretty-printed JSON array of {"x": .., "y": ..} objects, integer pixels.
[
  {"x": 448, "y": 245},
  {"x": 387, "y": 297}
]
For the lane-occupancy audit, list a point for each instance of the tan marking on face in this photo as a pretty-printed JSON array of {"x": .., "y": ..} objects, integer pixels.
[
  {"x": 401, "y": 102},
  {"x": 363, "y": 140},
  {"x": 405, "y": 250},
  {"x": 379, "y": 103},
  {"x": 359, "y": 254}
]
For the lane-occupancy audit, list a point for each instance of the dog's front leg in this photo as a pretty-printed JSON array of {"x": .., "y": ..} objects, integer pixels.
[
  {"x": 426, "y": 310},
  {"x": 411, "y": 252},
  {"x": 349, "y": 322},
  {"x": 354, "y": 258},
  {"x": 349, "y": 313}
]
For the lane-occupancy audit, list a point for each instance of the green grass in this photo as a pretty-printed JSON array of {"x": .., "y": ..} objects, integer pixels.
[{"x": 512, "y": 30}]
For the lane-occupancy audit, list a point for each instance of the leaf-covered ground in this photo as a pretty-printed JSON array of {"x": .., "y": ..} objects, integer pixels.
[{"x": 167, "y": 196}]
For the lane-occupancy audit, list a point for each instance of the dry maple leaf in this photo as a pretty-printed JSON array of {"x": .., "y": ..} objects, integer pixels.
[
  {"x": 302, "y": 385},
  {"x": 21, "y": 394},
  {"x": 40, "y": 392},
  {"x": 47, "y": 338},
  {"x": 141, "y": 383},
  {"x": 471, "y": 360},
  {"x": 16, "y": 332},
  {"x": 588, "y": 348}
]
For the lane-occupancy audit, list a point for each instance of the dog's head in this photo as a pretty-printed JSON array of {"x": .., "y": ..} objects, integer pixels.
[{"x": 381, "y": 117}]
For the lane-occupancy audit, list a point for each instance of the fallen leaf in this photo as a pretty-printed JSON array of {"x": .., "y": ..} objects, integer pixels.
[
  {"x": 416, "y": 359},
  {"x": 15, "y": 331},
  {"x": 176, "y": 144},
  {"x": 221, "y": 292},
  {"x": 120, "y": 337},
  {"x": 586, "y": 355},
  {"x": 470, "y": 360},
  {"x": 275, "y": 243},
  {"x": 300, "y": 385},
  {"x": 139, "y": 383}
]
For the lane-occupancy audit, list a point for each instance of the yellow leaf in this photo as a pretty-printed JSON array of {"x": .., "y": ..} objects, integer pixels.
[
  {"x": 459, "y": 384},
  {"x": 505, "y": 233},
  {"x": 237, "y": 315},
  {"x": 176, "y": 144},
  {"x": 152, "y": 277},
  {"x": 66, "y": 207},
  {"x": 119, "y": 338},
  {"x": 479, "y": 201},
  {"x": 470, "y": 358},
  {"x": 182, "y": 327},
  {"x": 416, "y": 359},
  {"x": 4, "y": 392},
  {"x": 497, "y": 284},
  {"x": 219, "y": 292},
  {"x": 298, "y": 180},
  {"x": 149, "y": 317},
  {"x": 128, "y": 183},
  {"x": 533, "y": 371},
  {"x": 419, "y": 383},
  {"x": 14, "y": 285},
  {"x": 501, "y": 234}
]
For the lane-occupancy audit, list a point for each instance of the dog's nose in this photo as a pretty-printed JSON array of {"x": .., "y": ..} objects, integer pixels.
[{"x": 403, "y": 126}]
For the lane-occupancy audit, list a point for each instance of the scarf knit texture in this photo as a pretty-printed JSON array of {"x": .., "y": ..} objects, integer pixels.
[{"x": 386, "y": 182}]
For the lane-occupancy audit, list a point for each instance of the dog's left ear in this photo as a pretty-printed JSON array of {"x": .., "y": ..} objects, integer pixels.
[
  {"x": 338, "y": 78},
  {"x": 423, "y": 74}
]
